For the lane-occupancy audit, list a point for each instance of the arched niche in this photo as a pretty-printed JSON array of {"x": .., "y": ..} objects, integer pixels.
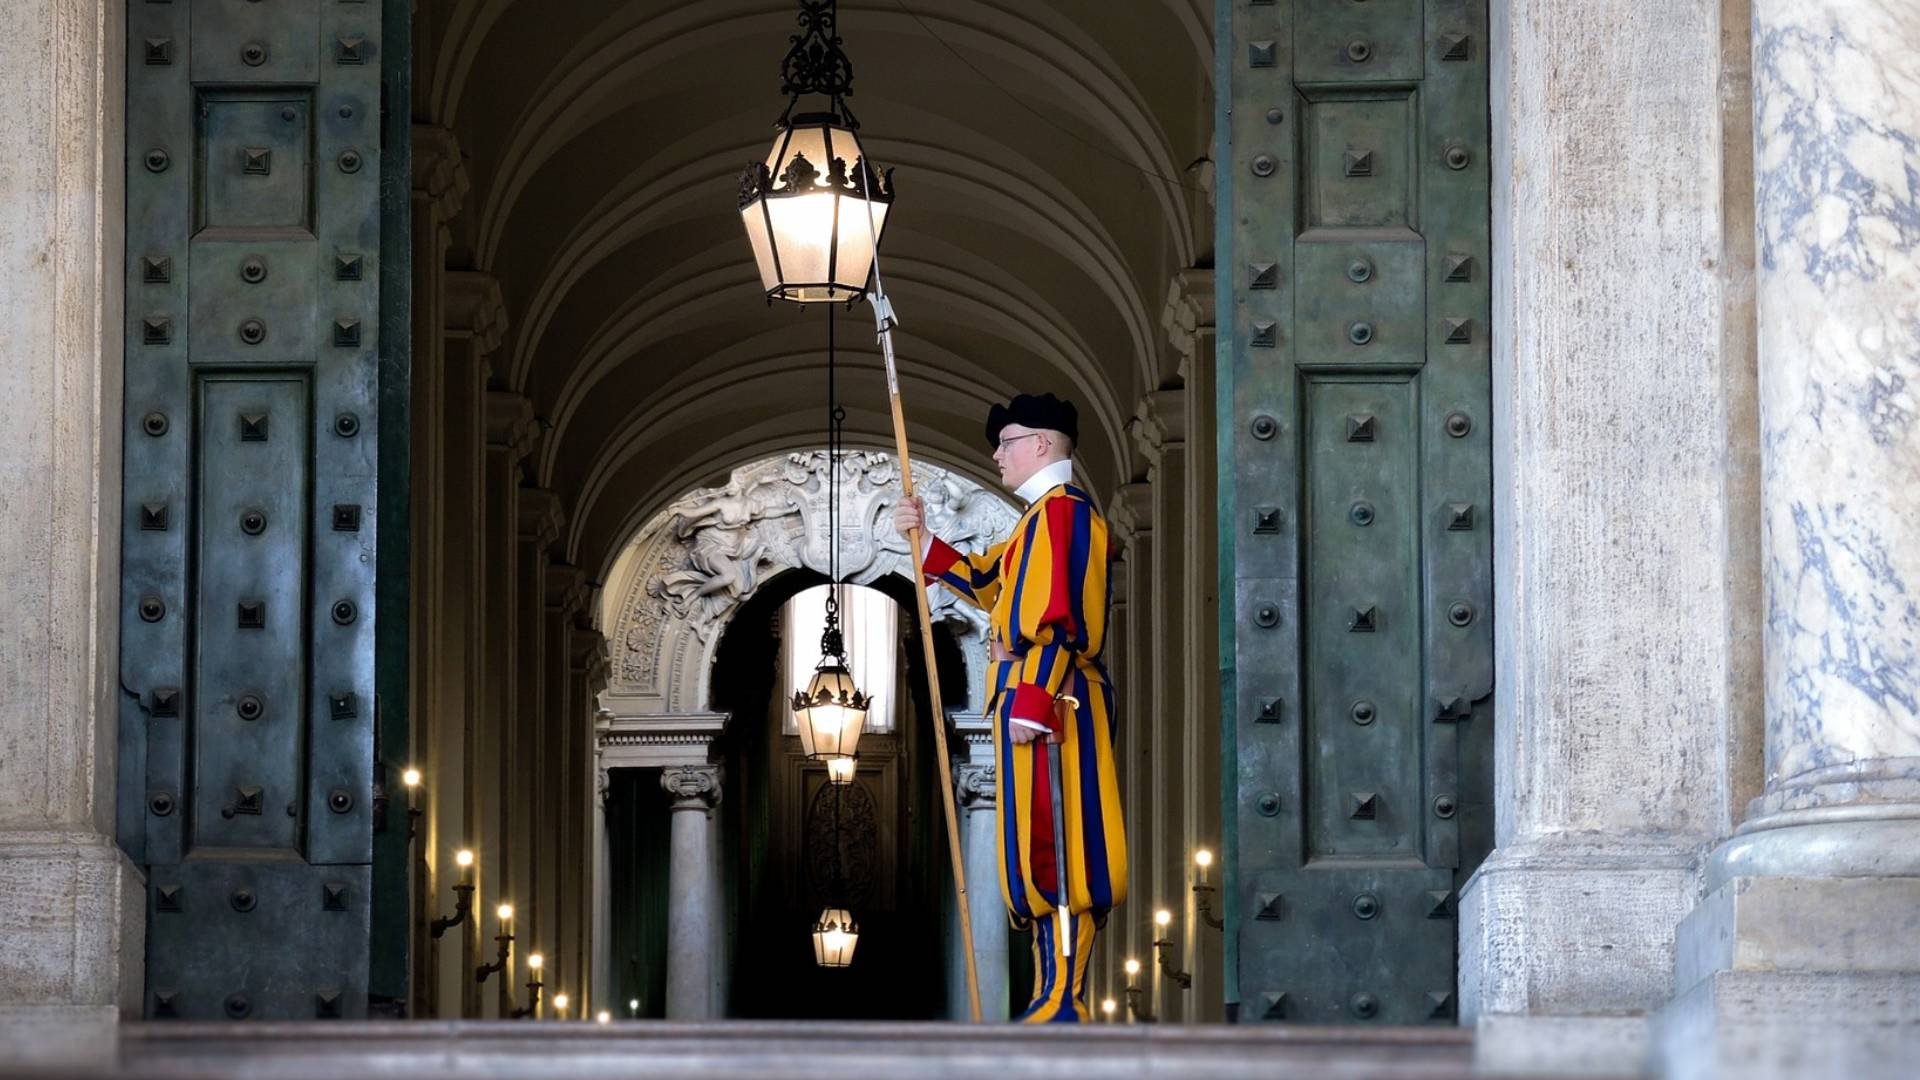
[{"x": 687, "y": 572}]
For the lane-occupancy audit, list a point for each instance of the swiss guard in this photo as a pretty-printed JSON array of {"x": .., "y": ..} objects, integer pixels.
[{"x": 1045, "y": 590}]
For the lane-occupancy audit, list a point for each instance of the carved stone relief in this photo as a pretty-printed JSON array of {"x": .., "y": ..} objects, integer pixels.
[{"x": 703, "y": 556}]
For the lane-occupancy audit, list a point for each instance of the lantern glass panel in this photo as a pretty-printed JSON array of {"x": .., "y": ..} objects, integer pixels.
[
  {"x": 755, "y": 219},
  {"x": 831, "y": 712},
  {"x": 803, "y": 229},
  {"x": 834, "y": 938}
]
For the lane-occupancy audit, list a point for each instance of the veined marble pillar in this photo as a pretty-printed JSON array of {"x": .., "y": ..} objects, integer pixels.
[
  {"x": 973, "y": 786},
  {"x": 72, "y": 907},
  {"x": 1624, "y": 516},
  {"x": 692, "y": 896},
  {"x": 1805, "y": 953}
]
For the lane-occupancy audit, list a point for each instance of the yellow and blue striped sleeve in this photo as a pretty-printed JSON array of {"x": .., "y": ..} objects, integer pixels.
[{"x": 976, "y": 578}]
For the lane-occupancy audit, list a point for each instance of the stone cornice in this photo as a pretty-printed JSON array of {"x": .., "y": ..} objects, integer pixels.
[
  {"x": 474, "y": 310},
  {"x": 439, "y": 171},
  {"x": 638, "y": 742}
]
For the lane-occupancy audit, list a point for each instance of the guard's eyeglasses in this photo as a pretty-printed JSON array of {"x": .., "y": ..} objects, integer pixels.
[{"x": 1004, "y": 443}]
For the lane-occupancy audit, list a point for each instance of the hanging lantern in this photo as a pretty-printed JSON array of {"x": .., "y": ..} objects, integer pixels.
[
  {"x": 834, "y": 936},
  {"x": 831, "y": 711},
  {"x": 816, "y": 208}
]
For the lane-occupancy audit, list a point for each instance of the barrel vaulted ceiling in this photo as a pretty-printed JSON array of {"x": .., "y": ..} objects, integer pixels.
[{"x": 1051, "y": 171}]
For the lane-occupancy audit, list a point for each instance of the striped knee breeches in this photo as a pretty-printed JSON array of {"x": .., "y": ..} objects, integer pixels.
[{"x": 1096, "y": 843}]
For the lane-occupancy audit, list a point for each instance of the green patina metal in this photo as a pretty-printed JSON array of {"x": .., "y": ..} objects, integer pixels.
[
  {"x": 257, "y": 264},
  {"x": 1356, "y": 532}
]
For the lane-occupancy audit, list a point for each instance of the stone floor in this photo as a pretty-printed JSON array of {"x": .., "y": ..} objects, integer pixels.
[{"x": 764, "y": 1051}]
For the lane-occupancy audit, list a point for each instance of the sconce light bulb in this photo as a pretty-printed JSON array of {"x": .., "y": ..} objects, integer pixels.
[
  {"x": 411, "y": 778},
  {"x": 505, "y": 911},
  {"x": 1203, "y": 858},
  {"x": 463, "y": 858},
  {"x": 1133, "y": 966},
  {"x": 559, "y": 1001},
  {"x": 1163, "y": 917},
  {"x": 603, "y": 1016},
  {"x": 633, "y": 1005},
  {"x": 535, "y": 961},
  {"x": 1107, "y": 1005}
]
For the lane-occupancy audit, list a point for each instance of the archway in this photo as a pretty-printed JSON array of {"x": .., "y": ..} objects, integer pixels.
[{"x": 694, "y": 612}]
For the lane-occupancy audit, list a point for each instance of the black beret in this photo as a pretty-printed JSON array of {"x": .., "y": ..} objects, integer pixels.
[{"x": 1034, "y": 411}]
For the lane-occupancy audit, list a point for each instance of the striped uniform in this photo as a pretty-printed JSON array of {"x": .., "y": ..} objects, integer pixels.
[{"x": 1046, "y": 592}]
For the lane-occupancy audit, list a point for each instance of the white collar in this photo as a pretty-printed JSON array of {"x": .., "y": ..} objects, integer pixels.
[{"x": 1048, "y": 478}]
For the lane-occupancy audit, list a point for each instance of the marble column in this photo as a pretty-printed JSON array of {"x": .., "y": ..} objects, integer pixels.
[
  {"x": 72, "y": 910},
  {"x": 553, "y": 823},
  {"x": 973, "y": 782},
  {"x": 1624, "y": 516},
  {"x": 692, "y": 897},
  {"x": 1805, "y": 952}
]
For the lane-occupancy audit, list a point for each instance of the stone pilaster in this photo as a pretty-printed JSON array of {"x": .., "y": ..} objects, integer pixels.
[
  {"x": 1132, "y": 663},
  {"x": 1187, "y": 318},
  {"x": 1159, "y": 431},
  {"x": 1623, "y": 621},
  {"x": 509, "y": 436},
  {"x": 72, "y": 910},
  {"x": 973, "y": 787},
  {"x": 1802, "y": 956},
  {"x": 693, "y": 900}
]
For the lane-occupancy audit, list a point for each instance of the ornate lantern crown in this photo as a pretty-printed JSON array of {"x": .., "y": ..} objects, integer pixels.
[{"x": 816, "y": 208}]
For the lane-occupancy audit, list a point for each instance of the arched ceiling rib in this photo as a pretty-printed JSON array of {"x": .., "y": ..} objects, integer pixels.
[{"x": 1030, "y": 249}]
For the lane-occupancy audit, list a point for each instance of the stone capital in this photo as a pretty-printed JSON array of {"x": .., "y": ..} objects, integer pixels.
[
  {"x": 511, "y": 427},
  {"x": 1159, "y": 422},
  {"x": 1131, "y": 513},
  {"x": 1187, "y": 313},
  {"x": 474, "y": 310},
  {"x": 439, "y": 170},
  {"x": 692, "y": 787},
  {"x": 973, "y": 785},
  {"x": 540, "y": 516},
  {"x": 566, "y": 588}
]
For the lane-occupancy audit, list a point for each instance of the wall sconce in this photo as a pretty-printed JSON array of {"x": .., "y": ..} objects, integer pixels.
[
  {"x": 603, "y": 1017},
  {"x": 1163, "y": 919},
  {"x": 505, "y": 940},
  {"x": 411, "y": 780},
  {"x": 462, "y": 895},
  {"x": 1203, "y": 892},
  {"x": 1135, "y": 993},
  {"x": 559, "y": 1006},
  {"x": 633, "y": 1007},
  {"x": 1107, "y": 1007},
  {"x": 534, "y": 963}
]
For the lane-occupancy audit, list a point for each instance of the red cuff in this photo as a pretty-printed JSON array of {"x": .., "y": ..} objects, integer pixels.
[
  {"x": 1033, "y": 704},
  {"x": 941, "y": 558}
]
